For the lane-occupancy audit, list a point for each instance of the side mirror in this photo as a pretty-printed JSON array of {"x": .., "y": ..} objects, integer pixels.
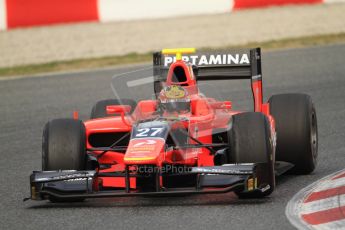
[
  {"x": 227, "y": 104},
  {"x": 118, "y": 109}
]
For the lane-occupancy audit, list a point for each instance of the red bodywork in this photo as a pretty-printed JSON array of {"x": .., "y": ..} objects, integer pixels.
[{"x": 206, "y": 114}]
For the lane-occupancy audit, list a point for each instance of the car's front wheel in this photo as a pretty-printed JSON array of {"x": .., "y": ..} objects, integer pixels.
[
  {"x": 64, "y": 148},
  {"x": 249, "y": 139}
]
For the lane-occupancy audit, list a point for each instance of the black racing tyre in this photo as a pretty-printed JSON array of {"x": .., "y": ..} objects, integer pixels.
[
  {"x": 99, "y": 109},
  {"x": 249, "y": 139},
  {"x": 63, "y": 145},
  {"x": 64, "y": 148},
  {"x": 296, "y": 127}
]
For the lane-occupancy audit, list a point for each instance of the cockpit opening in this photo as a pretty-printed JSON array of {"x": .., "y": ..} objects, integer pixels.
[{"x": 179, "y": 76}]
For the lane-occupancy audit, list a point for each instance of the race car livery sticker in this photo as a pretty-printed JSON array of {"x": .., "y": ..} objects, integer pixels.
[
  {"x": 143, "y": 146},
  {"x": 152, "y": 129},
  {"x": 213, "y": 170},
  {"x": 149, "y": 132},
  {"x": 144, "y": 150},
  {"x": 252, "y": 184},
  {"x": 213, "y": 59},
  {"x": 63, "y": 175},
  {"x": 174, "y": 92}
]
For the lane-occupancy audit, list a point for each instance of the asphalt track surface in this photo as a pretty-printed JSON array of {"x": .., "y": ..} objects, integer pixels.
[{"x": 27, "y": 104}]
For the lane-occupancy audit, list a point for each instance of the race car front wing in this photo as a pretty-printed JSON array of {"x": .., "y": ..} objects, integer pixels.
[{"x": 72, "y": 184}]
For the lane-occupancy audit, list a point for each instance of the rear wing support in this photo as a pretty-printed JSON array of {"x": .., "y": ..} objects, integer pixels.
[{"x": 226, "y": 65}]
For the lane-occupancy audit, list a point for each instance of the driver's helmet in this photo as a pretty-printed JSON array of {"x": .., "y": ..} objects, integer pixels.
[{"x": 174, "y": 98}]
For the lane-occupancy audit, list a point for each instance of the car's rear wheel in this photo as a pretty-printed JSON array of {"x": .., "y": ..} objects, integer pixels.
[
  {"x": 296, "y": 126},
  {"x": 63, "y": 148},
  {"x": 99, "y": 110},
  {"x": 249, "y": 139}
]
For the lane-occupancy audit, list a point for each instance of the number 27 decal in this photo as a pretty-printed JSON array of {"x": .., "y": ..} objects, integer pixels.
[{"x": 149, "y": 132}]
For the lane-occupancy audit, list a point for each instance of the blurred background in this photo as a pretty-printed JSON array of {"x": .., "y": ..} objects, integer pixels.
[
  {"x": 95, "y": 33},
  {"x": 73, "y": 48}
]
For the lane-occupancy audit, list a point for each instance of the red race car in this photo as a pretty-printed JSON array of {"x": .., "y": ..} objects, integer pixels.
[{"x": 178, "y": 139}]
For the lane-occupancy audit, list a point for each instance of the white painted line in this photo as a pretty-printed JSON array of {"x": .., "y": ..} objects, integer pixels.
[
  {"x": 3, "y": 15},
  {"x": 342, "y": 202},
  {"x": 295, "y": 205},
  {"x": 320, "y": 205},
  {"x": 110, "y": 10},
  {"x": 328, "y": 184}
]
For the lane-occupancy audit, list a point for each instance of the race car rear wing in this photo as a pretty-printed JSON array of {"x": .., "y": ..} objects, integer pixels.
[
  {"x": 232, "y": 64},
  {"x": 228, "y": 65}
]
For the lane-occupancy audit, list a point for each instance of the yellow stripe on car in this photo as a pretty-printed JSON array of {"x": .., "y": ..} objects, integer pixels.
[{"x": 178, "y": 52}]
